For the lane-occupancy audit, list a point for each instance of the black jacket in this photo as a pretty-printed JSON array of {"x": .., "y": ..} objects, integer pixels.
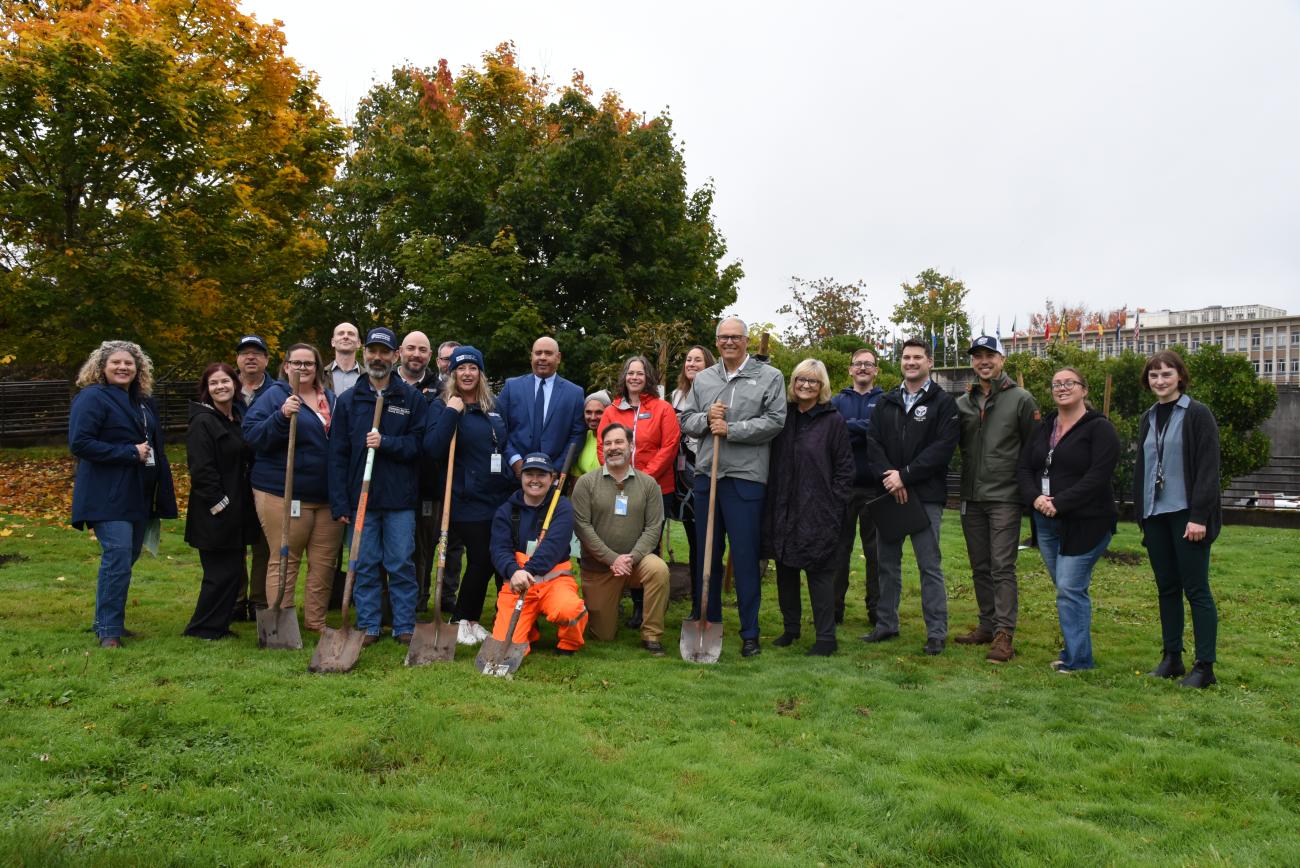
[
  {"x": 1083, "y": 465},
  {"x": 395, "y": 477},
  {"x": 918, "y": 444},
  {"x": 219, "y": 465},
  {"x": 1200, "y": 467},
  {"x": 809, "y": 477}
]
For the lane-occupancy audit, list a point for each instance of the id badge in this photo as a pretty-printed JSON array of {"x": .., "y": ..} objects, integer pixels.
[
  {"x": 963, "y": 507},
  {"x": 1047, "y": 487},
  {"x": 530, "y": 547},
  {"x": 426, "y": 508},
  {"x": 496, "y": 462},
  {"x": 295, "y": 509},
  {"x": 620, "y": 504},
  {"x": 148, "y": 458}
]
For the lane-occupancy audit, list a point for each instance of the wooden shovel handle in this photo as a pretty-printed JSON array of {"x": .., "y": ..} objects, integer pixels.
[{"x": 361, "y": 513}]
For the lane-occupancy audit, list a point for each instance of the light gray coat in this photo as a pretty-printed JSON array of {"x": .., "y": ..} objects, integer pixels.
[{"x": 755, "y": 400}]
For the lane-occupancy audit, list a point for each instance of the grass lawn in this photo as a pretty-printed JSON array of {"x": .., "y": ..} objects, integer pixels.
[{"x": 178, "y": 751}]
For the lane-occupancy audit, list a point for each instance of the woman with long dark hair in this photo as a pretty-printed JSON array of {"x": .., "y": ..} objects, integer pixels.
[
  {"x": 1176, "y": 498},
  {"x": 1064, "y": 474},
  {"x": 123, "y": 483},
  {"x": 220, "y": 520}
]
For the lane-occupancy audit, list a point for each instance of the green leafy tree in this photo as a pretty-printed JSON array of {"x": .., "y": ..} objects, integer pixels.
[
  {"x": 160, "y": 160},
  {"x": 825, "y": 309},
  {"x": 491, "y": 207},
  {"x": 934, "y": 303}
]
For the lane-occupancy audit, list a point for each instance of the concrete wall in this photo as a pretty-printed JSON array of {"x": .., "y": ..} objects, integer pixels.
[{"x": 1283, "y": 427}]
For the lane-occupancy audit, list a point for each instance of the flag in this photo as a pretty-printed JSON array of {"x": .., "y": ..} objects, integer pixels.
[
  {"x": 998, "y": 332},
  {"x": 1100, "y": 331},
  {"x": 1137, "y": 328},
  {"x": 1047, "y": 331}
]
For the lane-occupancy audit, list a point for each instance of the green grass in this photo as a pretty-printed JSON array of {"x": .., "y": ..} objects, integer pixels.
[{"x": 174, "y": 751}]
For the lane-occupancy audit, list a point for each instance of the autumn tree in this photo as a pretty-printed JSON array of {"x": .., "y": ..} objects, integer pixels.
[
  {"x": 1075, "y": 317},
  {"x": 490, "y": 206},
  {"x": 158, "y": 160},
  {"x": 935, "y": 303},
  {"x": 824, "y": 309}
]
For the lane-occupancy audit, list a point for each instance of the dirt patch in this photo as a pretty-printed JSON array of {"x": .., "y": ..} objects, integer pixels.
[
  {"x": 1128, "y": 559},
  {"x": 11, "y": 558}
]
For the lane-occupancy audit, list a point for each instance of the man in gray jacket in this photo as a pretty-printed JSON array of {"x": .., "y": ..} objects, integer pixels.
[
  {"x": 742, "y": 402},
  {"x": 997, "y": 417}
]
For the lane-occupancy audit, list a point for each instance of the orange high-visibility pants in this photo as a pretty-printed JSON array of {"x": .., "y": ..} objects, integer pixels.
[{"x": 557, "y": 599}]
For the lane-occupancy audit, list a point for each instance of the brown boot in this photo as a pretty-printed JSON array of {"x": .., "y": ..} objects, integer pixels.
[
  {"x": 976, "y": 636},
  {"x": 1001, "y": 650}
]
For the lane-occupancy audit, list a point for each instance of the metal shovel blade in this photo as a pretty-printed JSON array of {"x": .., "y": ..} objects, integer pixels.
[
  {"x": 432, "y": 643},
  {"x": 701, "y": 644},
  {"x": 499, "y": 658},
  {"x": 278, "y": 629},
  {"x": 337, "y": 650}
]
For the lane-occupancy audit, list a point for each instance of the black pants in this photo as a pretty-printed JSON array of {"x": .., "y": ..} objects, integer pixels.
[
  {"x": 821, "y": 593},
  {"x": 857, "y": 523},
  {"x": 476, "y": 535},
  {"x": 1181, "y": 568},
  {"x": 224, "y": 574},
  {"x": 253, "y": 590}
]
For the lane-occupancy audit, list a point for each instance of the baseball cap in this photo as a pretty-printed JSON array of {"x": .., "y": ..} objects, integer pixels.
[
  {"x": 986, "y": 342},
  {"x": 537, "y": 461},
  {"x": 382, "y": 336},
  {"x": 252, "y": 341}
]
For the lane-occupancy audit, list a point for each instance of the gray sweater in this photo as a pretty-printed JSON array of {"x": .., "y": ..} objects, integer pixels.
[
  {"x": 755, "y": 400},
  {"x": 606, "y": 535}
]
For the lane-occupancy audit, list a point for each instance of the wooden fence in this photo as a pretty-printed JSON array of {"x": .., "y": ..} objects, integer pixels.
[{"x": 36, "y": 411}]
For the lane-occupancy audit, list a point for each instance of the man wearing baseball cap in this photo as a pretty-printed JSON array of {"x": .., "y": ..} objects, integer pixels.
[
  {"x": 997, "y": 417},
  {"x": 537, "y": 569},
  {"x": 251, "y": 356},
  {"x": 388, "y": 536}
]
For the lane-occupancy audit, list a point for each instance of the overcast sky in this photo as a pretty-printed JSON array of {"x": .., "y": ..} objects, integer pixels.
[{"x": 1110, "y": 153}]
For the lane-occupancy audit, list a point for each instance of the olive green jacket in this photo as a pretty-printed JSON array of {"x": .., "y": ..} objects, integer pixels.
[{"x": 991, "y": 439}]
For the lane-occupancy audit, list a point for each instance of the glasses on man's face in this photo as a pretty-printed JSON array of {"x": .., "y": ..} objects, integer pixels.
[
  {"x": 1064, "y": 385},
  {"x": 301, "y": 365},
  {"x": 444, "y": 359},
  {"x": 811, "y": 384},
  {"x": 863, "y": 365},
  {"x": 730, "y": 339}
]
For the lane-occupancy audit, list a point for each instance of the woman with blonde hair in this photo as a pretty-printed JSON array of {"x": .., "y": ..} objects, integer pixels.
[
  {"x": 123, "y": 482},
  {"x": 810, "y": 473}
]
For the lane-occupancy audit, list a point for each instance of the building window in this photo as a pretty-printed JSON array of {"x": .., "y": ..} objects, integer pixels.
[
  {"x": 1268, "y": 340},
  {"x": 1256, "y": 366},
  {"x": 1230, "y": 342},
  {"x": 1268, "y": 368},
  {"x": 1295, "y": 337},
  {"x": 1295, "y": 366},
  {"x": 1254, "y": 341}
]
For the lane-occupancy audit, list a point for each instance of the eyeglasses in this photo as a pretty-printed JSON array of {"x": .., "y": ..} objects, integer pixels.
[
  {"x": 444, "y": 358},
  {"x": 805, "y": 381},
  {"x": 301, "y": 365},
  {"x": 863, "y": 365},
  {"x": 1065, "y": 385},
  {"x": 730, "y": 339}
]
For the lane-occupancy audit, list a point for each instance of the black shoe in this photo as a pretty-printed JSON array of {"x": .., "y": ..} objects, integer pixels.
[
  {"x": 634, "y": 621},
  {"x": 880, "y": 635},
  {"x": 933, "y": 647},
  {"x": 823, "y": 649},
  {"x": 749, "y": 648},
  {"x": 563, "y": 652},
  {"x": 785, "y": 639},
  {"x": 1202, "y": 675},
  {"x": 656, "y": 649},
  {"x": 1170, "y": 666}
]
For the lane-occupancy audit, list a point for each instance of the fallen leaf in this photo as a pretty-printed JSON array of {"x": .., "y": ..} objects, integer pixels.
[{"x": 6, "y": 532}]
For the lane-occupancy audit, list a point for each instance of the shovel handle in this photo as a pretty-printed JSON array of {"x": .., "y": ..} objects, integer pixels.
[
  {"x": 442, "y": 536},
  {"x": 287, "y": 514},
  {"x": 708, "y": 537},
  {"x": 361, "y": 514},
  {"x": 559, "y": 486}
]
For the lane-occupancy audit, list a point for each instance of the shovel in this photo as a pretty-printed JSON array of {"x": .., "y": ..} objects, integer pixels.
[
  {"x": 339, "y": 649},
  {"x": 276, "y": 627},
  {"x": 501, "y": 657},
  {"x": 436, "y": 642},
  {"x": 702, "y": 640}
]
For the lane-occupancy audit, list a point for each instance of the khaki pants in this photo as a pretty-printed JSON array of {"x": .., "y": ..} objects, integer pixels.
[
  {"x": 313, "y": 531},
  {"x": 602, "y": 590}
]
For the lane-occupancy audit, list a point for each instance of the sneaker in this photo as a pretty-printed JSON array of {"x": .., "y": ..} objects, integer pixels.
[
  {"x": 110, "y": 642},
  {"x": 1059, "y": 664},
  {"x": 1001, "y": 649},
  {"x": 480, "y": 634},
  {"x": 976, "y": 636},
  {"x": 465, "y": 634},
  {"x": 656, "y": 649}
]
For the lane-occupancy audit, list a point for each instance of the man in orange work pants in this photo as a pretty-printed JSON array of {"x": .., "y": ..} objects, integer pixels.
[{"x": 534, "y": 564}]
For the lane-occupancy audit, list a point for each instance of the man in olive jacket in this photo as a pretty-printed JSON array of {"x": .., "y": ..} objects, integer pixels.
[{"x": 997, "y": 419}]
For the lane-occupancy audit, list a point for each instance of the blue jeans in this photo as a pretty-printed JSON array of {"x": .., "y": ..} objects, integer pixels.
[
  {"x": 1071, "y": 574},
  {"x": 388, "y": 537},
  {"x": 119, "y": 544}
]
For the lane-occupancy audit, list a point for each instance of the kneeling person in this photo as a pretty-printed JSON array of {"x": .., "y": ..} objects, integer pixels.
[
  {"x": 537, "y": 569},
  {"x": 619, "y": 515}
]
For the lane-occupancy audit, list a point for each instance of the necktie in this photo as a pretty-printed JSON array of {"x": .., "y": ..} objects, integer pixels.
[{"x": 539, "y": 415}]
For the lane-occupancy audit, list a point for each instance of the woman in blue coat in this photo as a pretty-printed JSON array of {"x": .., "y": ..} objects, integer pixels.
[
  {"x": 123, "y": 482},
  {"x": 481, "y": 481}
]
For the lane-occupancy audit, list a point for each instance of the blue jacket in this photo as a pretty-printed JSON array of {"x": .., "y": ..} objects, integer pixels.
[
  {"x": 266, "y": 432},
  {"x": 112, "y": 483},
  {"x": 395, "y": 478},
  {"x": 553, "y": 551},
  {"x": 856, "y": 410},
  {"x": 564, "y": 424},
  {"x": 476, "y": 492}
]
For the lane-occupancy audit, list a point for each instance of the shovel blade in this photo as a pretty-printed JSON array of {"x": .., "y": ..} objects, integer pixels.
[
  {"x": 432, "y": 643},
  {"x": 498, "y": 660},
  {"x": 701, "y": 641},
  {"x": 337, "y": 651},
  {"x": 278, "y": 629}
]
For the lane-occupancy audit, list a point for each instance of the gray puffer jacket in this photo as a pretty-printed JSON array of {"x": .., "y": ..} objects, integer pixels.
[{"x": 755, "y": 400}]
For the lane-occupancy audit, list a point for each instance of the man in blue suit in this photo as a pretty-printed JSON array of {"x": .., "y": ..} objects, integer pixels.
[{"x": 542, "y": 410}]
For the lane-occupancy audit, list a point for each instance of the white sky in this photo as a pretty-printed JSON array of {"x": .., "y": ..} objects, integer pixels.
[{"x": 1108, "y": 152}]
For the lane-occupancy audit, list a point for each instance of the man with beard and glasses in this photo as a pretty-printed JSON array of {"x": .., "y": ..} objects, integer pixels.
[
  {"x": 416, "y": 373},
  {"x": 388, "y": 536}
]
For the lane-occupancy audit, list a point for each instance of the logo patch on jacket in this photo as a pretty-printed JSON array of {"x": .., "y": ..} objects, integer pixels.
[
  {"x": 919, "y": 412},
  {"x": 400, "y": 411}
]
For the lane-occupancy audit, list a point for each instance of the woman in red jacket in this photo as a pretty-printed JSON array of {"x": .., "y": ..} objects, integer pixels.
[{"x": 655, "y": 436}]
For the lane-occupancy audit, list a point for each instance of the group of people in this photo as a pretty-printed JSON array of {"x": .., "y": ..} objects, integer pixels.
[{"x": 800, "y": 476}]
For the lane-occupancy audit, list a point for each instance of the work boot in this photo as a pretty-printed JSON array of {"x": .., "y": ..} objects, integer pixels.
[
  {"x": 977, "y": 636},
  {"x": 1001, "y": 650},
  {"x": 1170, "y": 666},
  {"x": 1202, "y": 675},
  {"x": 369, "y": 640}
]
